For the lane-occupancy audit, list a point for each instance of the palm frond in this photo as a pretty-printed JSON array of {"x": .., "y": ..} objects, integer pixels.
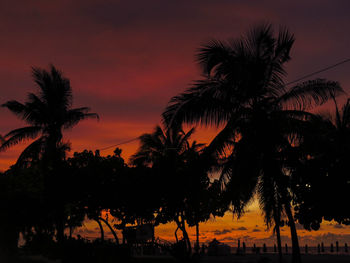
[
  {"x": 310, "y": 93},
  {"x": 212, "y": 54},
  {"x": 37, "y": 112},
  {"x": 284, "y": 44},
  {"x": 16, "y": 107},
  {"x": 203, "y": 103},
  {"x": 275, "y": 69},
  {"x": 151, "y": 147},
  {"x": 240, "y": 174},
  {"x": 222, "y": 140},
  {"x": 260, "y": 41},
  {"x": 55, "y": 88},
  {"x": 31, "y": 152},
  {"x": 184, "y": 140},
  {"x": 74, "y": 116},
  {"x": 346, "y": 114},
  {"x": 18, "y": 135}
]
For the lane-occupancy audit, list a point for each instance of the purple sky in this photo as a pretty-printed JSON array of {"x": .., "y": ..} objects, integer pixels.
[{"x": 125, "y": 59}]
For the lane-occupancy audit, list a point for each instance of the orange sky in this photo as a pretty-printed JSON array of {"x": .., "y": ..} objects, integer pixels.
[
  {"x": 250, "y": 228},
  {"x": 125, "y": 60}
]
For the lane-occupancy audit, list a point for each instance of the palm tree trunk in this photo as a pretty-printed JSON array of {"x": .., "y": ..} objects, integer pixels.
[
  {"x": 277, "y": 218},
  {"x": 101, "y": 229},
  {"x": 296, "y": 258},
  {"x": 278, "y": 237},
  {"x": 185, "y": 235},
  {"x": 176, "y": 238},
  {"x": 112, "y": 230},
  {"x": 181, "y": 225},
  {"x": 197, "y": 238},
  {"x": 187, "y": 239}
]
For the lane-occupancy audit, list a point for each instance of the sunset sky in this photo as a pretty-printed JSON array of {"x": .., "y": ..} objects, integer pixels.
[{"x": 126, "y": 59}]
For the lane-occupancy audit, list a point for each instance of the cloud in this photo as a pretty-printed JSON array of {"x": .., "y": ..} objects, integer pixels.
[
  {"x": 227, "y": 239},
  {"x": 88, "y": 231},
  {"x": 242, "y": 228},
  {"x": 338, "y": 226},
  {"x": 256, "y": 230},
  {"x": 222, "y": 232},
  {"x": 227, "y": 231}
]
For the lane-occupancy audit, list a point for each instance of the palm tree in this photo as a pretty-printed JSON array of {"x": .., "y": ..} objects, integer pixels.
[
  {"x": 244, "y": 91},
  {"x": 47, "y": 113},
  {"x": 167, "y": 152}
]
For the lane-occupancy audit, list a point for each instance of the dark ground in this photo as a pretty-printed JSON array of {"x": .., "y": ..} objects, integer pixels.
[{"x": 266, "y": 258}]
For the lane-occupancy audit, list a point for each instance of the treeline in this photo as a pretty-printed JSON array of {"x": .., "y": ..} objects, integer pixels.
[{"x": 271, "y": 146}]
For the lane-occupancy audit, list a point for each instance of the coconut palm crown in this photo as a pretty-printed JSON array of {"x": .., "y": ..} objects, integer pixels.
[{"x": 47, "y": 113}]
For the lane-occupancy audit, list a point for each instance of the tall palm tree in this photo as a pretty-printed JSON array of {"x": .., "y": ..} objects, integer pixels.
[
  {"x": 167, "y": 152},
  {"x": 244, "y": 91},
  {"x": 47, "y": 113}
]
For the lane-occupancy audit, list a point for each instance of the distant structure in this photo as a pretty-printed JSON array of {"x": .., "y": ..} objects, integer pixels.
[
  {"x": 216, "y": 248},
  {"x": 139, "y": 234}
]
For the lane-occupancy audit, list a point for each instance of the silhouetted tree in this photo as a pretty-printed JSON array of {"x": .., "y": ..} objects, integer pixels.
[
  {"x": 169, "y": 154},
  {"x": 244, "y": 92},
  {"x": 205, "y": 198},
  {"x": 23, "y": 208},
  {"x": 47, "y": 112},
  {"x": 99, "y": 180},
  {"x": 321, "y": 180}
]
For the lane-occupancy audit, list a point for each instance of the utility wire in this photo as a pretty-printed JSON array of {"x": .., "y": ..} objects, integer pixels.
[
  {"x": 318, "y": 71},
  {"x": 287, "y": 84},
  {"x": 121, "y": 143}
]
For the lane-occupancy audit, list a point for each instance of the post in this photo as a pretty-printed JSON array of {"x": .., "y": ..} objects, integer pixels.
[
  {"x": 239, "y": 247},
  {"x": 337, "y": 246}
]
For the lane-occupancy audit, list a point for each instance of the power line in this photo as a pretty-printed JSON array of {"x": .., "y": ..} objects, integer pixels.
[
  {"x": 121, "y": 143},
  {"x": 318, "y": 71},
  {"x": 289, "y": 83}
]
